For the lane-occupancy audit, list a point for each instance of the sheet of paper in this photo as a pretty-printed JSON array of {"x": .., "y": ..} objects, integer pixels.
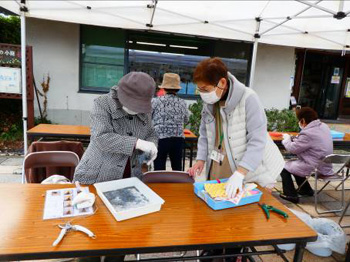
[{"x": 58, "y": 204}]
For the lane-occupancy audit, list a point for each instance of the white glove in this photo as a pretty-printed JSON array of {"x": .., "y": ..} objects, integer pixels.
[
  {"x": 234, "y": 184},
  {"x": 84, "y": 200},
  {"x": 286, "y": 137},
  {"x": 56, "y": 179},
  {"x": 147, "y": 147}
]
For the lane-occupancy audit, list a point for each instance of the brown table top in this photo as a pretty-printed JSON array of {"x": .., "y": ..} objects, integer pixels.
[
  {"x": 184, "y": 222},
  {"x": 72, "y": 130},
  {"x": 60, "y": 130}
]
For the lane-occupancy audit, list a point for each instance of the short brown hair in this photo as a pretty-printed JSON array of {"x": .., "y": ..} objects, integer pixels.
[
  {"x": 210, "y": 71},
  {"x": 306, "y": 113}
]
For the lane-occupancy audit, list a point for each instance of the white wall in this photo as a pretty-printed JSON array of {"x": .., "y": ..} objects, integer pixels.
[
  {"x": 56, "y": 51},
  {"x": 274, "y": 67}
]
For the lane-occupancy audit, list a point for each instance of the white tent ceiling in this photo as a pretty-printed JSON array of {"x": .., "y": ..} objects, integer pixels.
[{"x": 308, "y": 24}]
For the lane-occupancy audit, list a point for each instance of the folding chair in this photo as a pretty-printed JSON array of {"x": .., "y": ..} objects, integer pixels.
[
  {"x": 163, "y": 176},
  {"x": 346, "y": 177},
  {"x": 339, "y": 175},
  {"x": 167, "y": 177},
  {"x": 47, "y": 159}
]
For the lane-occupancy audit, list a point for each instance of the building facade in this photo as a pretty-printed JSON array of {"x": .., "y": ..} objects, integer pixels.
[{"x": 83, "y": 62}]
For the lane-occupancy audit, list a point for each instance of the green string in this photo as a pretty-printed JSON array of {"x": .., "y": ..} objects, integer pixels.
[{"x": 221, "y": 134}]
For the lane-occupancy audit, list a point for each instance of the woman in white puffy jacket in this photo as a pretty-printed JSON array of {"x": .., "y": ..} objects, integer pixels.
[{"x": 233, "y": 142}]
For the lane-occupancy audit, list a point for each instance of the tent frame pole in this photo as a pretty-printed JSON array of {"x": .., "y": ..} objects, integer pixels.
[
  {"x": 255, "y": 51},
  {"x": 24, "y": 81}
]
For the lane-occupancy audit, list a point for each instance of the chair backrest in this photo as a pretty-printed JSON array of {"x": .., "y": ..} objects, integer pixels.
[
  {"x": 167, "y": 177},
  {"x": 343, "y": 160},
  {"x": 337, "y": 159},
  {"x": 62, "y": 145},
  {"x": 47, "y": 159}
]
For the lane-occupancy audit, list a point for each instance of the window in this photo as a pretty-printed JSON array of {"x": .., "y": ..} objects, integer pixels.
[
  {"x": 102, "y": 58},
  {"x": 108, "y": 53},
  {"x": 157, "y": 54},
  {"x": 158, "y": 63}
]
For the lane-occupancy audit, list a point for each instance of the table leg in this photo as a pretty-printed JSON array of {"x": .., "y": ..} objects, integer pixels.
[
  {"x": 184, "y": 156},
  {"x": 347, "y": 258},
  {"x": 191, "y": 153},
  {"x": 299, "y": 252}
]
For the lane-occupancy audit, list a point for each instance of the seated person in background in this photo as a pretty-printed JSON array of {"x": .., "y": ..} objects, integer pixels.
[
  {"x": 169, "y": 116},
  {"x": 121, "y": 129},
  {"x": 313, "y": 143}
]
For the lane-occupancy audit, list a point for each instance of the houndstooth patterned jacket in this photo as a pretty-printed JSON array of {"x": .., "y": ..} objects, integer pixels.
[
  {"x": 113, "y": 138},
  {"x": 169, "y": 116}
]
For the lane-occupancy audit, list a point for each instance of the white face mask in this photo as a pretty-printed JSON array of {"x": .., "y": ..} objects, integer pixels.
[
  {"x": 210, "y": 97},
  {"x": 300, "y": 126},
  {"x": 130, "y": 112}
]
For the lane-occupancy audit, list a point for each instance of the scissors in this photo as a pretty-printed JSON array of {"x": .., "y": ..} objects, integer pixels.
[
  {"x": 268, "y": 208},
  {"x": 69, "y": 227}
]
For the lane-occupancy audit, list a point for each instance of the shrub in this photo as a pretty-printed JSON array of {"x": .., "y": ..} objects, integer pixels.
[
  {"x": 277, "y": 120},
  {"x": 281, "y": 120},
  {"x": 195, "y": 117},
  {"x": 10, "y": 30}
]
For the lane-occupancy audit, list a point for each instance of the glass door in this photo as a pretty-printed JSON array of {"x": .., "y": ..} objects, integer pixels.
[{"x": 321, "y": 83}]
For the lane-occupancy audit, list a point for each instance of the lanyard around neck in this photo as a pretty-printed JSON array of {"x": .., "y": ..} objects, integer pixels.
[{"x": 221, "y": 133}]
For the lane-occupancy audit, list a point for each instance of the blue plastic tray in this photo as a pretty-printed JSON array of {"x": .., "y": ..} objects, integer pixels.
[
  {"x": 218, "y": 205},
  {"x": 337, "y": 134}
]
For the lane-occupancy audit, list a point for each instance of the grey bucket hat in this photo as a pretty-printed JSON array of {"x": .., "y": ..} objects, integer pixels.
[{"x": 136, "y": 90}]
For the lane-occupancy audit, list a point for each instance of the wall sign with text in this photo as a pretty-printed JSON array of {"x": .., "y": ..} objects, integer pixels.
[
  {"x": 10, "y": 80},
  {"x": 10, "y": 56}
]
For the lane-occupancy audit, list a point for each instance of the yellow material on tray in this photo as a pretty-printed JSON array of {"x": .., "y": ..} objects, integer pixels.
[{"x": 216, "y": 190}]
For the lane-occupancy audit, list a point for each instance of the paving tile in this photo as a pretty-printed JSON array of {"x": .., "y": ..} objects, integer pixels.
[
  {"x": 310, "y": 209},
  {"x": 295, "y": 207},
  {"x": 7, "y": 169},
  {"x": 308, "y": 257},
  {"x": 2, "y": 159},
  {"x": 17, "y": 171},
  {"x": 10, "y": 178},
  {"x": 337, "y": 194},
  {"x": 12, "y": 161},
  {"x": 338, "y": 257},
  {"x": 322, "y": 197},
  {"x": 334, "y": 205}
]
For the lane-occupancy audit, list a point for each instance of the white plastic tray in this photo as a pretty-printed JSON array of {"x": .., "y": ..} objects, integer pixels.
[{"x": 128, "y": 198}]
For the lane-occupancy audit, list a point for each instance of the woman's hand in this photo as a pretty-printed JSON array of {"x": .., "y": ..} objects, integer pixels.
[
  {"x": 147, "y": 147},
  {"x": 196, "y": 169}
]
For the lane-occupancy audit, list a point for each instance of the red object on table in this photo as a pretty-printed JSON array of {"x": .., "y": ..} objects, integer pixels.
[{"x": 276, "y": 134}]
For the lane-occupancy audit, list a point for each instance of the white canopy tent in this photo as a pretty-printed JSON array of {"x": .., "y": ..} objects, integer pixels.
[{"x": 317, "y": 24}]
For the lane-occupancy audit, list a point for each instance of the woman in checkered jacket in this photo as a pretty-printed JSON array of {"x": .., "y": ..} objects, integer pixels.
[{"x": 121, "y": 129}]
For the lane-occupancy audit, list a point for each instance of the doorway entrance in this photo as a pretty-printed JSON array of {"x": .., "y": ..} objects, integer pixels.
[{"x": 321, "y": 83}]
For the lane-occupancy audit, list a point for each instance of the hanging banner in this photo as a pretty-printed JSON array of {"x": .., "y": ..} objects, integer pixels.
[{"x": 10, "y": 80}]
